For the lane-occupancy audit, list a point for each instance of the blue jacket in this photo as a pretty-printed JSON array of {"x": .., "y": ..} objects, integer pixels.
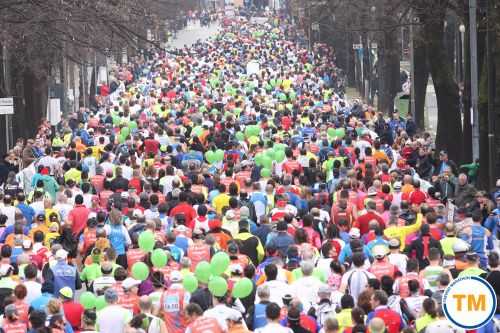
[
  {"x": 28, "y": 212},
  {"x": 64, "y": 276}
]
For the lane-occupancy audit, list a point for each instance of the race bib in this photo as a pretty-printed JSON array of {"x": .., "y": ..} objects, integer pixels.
[{"x": 171, "y": 303}]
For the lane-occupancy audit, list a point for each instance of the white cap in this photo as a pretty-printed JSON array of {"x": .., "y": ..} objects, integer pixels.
[
  {"x": 355, "y": 233},
  {"x": 175, "y": 276},
  {"x": 379, "y": 251},
  {"x": 61, "y": 254},
  {"x": 130, "y": 282}
]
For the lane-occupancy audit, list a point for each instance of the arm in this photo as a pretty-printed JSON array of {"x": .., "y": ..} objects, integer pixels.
[{"x": 409, "y": 229}]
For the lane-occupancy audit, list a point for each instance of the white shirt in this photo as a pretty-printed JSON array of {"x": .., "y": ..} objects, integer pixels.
[
  {"x": 49, "y": 162},
  {"x": 274, "y": 328},
  {"x": 113, "y": 319},
  {"x": 277, "y": 289},
  {"x": 221, "y": 312},
  {"x": 63, "y": 209},
  {"x": 103, "y": 282},
  {"x": 399, "y": 260},
  {"x": 357, "y": 283},
  {"x": 34, "y": 290},
  {"x": 306, "y": 289},
  {"x": 126, "y": 171},
  {"x": 37, "y": 206}
]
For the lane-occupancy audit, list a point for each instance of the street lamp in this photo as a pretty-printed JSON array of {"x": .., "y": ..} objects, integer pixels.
[{"x": 461, "y": 28}]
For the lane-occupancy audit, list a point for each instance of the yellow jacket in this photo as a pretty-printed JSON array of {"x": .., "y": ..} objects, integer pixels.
[{"x": 402, "y": 232}]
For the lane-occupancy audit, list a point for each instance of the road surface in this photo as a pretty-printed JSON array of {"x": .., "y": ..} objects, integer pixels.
[{"x": 192, "y": 33}]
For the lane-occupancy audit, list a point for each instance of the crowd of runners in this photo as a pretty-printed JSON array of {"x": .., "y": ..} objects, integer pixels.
[{"x": 227, "y": 187}]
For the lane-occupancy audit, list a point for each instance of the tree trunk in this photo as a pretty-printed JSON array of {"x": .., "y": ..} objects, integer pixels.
[
  {"x": 448, "y": 101},
  {"x": 35, "y": 90},
  {"x": 390, "y": 76},
  {"x": 421, "y": 73}
]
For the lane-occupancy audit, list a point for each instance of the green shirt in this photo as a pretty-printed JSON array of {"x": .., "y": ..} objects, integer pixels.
[
  {"x": 423, "y": 321},
  {"x": 471, "y": 271},
  {"x": 447, "y": 245},
  {"x": 91, "y": 272}
]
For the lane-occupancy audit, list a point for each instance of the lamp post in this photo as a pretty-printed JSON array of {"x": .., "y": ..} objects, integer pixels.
[
  {"x": 461, "y": 51},
  {"x": 474, "y": 78}
]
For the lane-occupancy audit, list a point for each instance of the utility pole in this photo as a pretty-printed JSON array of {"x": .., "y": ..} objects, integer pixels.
[
  {"x": 490, "y": 45},
  {"x": 474, "y": 78}
]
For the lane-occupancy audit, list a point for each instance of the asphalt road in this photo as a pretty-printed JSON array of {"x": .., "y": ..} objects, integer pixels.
[{"x": 192, "y": 33}]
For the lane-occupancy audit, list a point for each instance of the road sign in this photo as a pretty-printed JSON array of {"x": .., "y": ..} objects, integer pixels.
[
  {"x": 7, "y": 105},
  {"x": 374, "y": 46},
  {"x": 357, "y": 46}
]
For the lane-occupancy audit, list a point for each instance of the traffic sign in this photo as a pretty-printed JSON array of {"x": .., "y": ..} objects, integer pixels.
[
  {"x": 7, "y": 105},
  {"x": 357, "y": 46}
]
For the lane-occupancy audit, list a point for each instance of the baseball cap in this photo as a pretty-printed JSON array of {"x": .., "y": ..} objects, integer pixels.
[
  {"x": 324, "y": 289},
  {"x": 460, "y": 246},
  {"x": 61, "y": 254},
  {"x": 379, "y": 251},
  {"x": 66, "y": 292},
  {"x": 372, "y": 191},
  {"x": 175, "y": 276},
  {"x": 235, "y": 316},
  {"x": 394, "y": 243},
  {"x": 397, "y": 185},
  {"x": 130, "y": 282},
  {"x": 355, "y": 233}
]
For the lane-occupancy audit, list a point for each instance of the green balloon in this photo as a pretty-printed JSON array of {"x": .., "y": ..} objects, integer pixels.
[
  {"x": 140, "y": 271},
  {"x": 297, "y": 273},
  {"x": 267, "y": 162},
  {"x": 125, "y": 131},
  {"x": 265, "y": 173},
  {"x": 279, "y": 146},
  {"x": 190, "y": 283},
  {"x": 217, "y": 286},
  {"x": 340, "y": 133},
  {"x": 258, "y": 159},
  {"x": 210, "y": 156},
  {"x": 159, "y": 258},
  {"x": 202, "y": 271},
  {"x": 197, "y": 131},
  {"x": 219, "y": 155},
  {"x": 242, "y": 288},
  {"x": 100, "y": 303},
  {"x": 279, "y": 156},
  {"x": 240, "y": 136},
  {"x": 270, "y": 154},
  {"x": 88, "y": 300},
  {"x": 122, "y": 138},
  {"x": 219, "y": 263},
  {"x": 146, "y": 241},
  {"x": 319, "y": 274},
  {"x": 331, "y": 131},
  {"x": 132, "y": 125}
]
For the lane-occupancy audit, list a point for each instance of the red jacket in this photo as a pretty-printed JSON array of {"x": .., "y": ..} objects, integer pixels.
[
  {"x": 364, "y": 220},
  {"x": 187, "y": 210}
]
